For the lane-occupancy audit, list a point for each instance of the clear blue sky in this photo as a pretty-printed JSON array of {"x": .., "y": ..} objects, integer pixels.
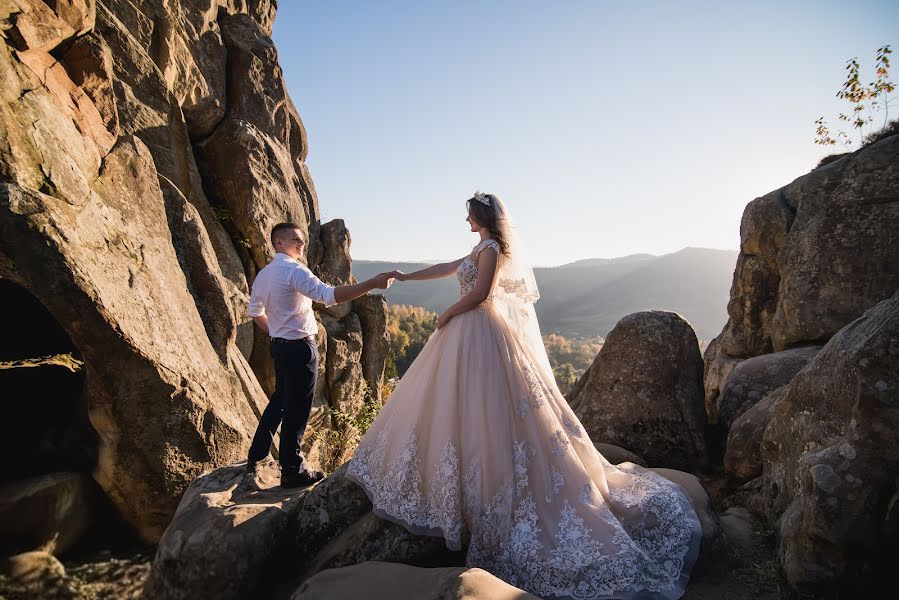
[{"x": 609, "y": 128}]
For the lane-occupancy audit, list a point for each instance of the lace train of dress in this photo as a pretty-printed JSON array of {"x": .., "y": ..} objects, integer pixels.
[{"x": 476, "y": 444}]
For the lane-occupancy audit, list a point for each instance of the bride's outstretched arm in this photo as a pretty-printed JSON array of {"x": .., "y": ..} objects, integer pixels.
[
  {"x": 432, "y": 272},
  {"x": 485, "y": 281}
]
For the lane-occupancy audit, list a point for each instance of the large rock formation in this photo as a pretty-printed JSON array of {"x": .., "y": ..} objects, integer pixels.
[
  {"x": 48, "y": 512},
  {"x": 236, "y": 535},
  {"x": 146, "y": 149},
  {"x": 753, "y": 378},
  {"x": 643, "y": 391},
  {"x": 234, "y": 531},
  {"x": 164, "y": 406},
  {"x": 830, "y": 455},
  {"x": 804, "y": 372},
  {"x": 814, "y": 255}
]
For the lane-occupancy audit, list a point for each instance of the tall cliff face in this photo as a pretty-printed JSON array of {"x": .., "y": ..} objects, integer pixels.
[
  {"x": 814, "y": 255},
  {"x": 146, "y": 150},
  {"x": 805, "y": 375}
]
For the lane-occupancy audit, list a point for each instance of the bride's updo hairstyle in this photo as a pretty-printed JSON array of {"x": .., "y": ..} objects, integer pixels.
[{"x": 483, "y": 208}]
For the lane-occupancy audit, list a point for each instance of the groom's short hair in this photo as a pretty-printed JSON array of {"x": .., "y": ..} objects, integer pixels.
[{"x": 277, "y": 229}]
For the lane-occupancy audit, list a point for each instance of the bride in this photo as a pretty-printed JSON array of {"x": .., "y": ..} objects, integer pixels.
[{"x": 477, "y": 445}]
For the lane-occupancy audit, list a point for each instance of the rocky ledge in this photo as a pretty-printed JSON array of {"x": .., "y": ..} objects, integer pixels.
[{"x": 239, "y": 535}]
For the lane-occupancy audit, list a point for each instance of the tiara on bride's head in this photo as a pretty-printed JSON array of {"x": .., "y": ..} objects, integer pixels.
[{"x": 481, "y": 197}]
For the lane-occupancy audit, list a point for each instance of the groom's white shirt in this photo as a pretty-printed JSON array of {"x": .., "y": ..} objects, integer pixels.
[{"x": 283, "y": 291}]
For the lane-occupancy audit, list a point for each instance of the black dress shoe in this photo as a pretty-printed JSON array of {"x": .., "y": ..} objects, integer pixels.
[{"x": 302, "y": 479}]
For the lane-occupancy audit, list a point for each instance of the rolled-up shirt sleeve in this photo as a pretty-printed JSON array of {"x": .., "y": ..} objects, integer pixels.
[
  {"x": 306, "y": 283},
  {"x": 256, "y": 308}
]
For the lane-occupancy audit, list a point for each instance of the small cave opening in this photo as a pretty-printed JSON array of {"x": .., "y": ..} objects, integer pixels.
[
  {"x": 45, "y": 427},
  {"x": 45, "y": 438}
]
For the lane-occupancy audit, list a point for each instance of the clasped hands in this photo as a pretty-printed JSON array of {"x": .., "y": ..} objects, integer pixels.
[
  {"x": 385, "y": 280},
  {"x": 442, "y": 320}
]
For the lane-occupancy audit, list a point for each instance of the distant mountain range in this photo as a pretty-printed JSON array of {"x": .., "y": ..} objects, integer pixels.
[{"x": 587, "y": 297}]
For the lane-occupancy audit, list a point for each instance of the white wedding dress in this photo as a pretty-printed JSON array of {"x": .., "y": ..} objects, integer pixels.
[{"x": 476, "y": 444}]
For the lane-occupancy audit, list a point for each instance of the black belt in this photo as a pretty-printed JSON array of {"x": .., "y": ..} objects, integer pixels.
[{"x": 308, "y": 338}]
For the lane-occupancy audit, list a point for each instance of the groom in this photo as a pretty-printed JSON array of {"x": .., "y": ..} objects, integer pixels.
[{"x": 281, "y": 305}]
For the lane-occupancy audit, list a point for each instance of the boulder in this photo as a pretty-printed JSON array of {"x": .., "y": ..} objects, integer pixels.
[
  {"x": 617, "y": 455},
  {"x": 335, "y": 266},
  {"x": 839, "y": 257},
  {"x": 343, "y": 375},
  {"x": 743, "y": 453},
  {"x": 830, "y": 455},
  {"x": 45, "y": 25},
  {"x": 717, "y": 367},
  {"x": 335, "y": 528},
  {"x": 329, "y": 509},
  {"x": 752, "y": 379},
  {"x": 737, "y": 526},
  {"x": 814, "y": 255},
  {"x": 372, "y": 312},
  {"x": 331, "y": 435},
  {"x": 382, "y": 580},
  {"x": 644, "y": 391},
  {"x": 754, "y": 291},
  {"x": 372, "y": 538},
  {"x": 70, "y": 99},
  {"x": 47, "y": 512},
  {"x": 749, "y": 496},
  {"x": 230, "y": 537},
  {"x": 36, "y": 574}
]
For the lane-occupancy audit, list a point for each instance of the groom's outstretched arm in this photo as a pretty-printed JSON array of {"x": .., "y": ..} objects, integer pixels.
[
  {"x": 305, "y": 282},
  {"x": 345, "y": 293}
]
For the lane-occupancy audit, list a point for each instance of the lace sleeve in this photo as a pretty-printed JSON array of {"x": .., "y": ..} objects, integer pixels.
[{"x": 488, "y": 243}]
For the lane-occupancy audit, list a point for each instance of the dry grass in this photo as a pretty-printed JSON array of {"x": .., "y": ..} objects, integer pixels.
[
  {"x": 890, "y": 129},
  {"x": 99, "y": 577},
  {"x": 59, "y": 360},
  {"x": 333, "y": 446}
]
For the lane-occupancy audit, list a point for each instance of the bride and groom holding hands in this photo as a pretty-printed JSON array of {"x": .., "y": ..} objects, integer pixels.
[{"x": 477, "y": 444}]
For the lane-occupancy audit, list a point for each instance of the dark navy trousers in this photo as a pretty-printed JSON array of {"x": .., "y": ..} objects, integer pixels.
[{"x": 296, "y": 373}]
